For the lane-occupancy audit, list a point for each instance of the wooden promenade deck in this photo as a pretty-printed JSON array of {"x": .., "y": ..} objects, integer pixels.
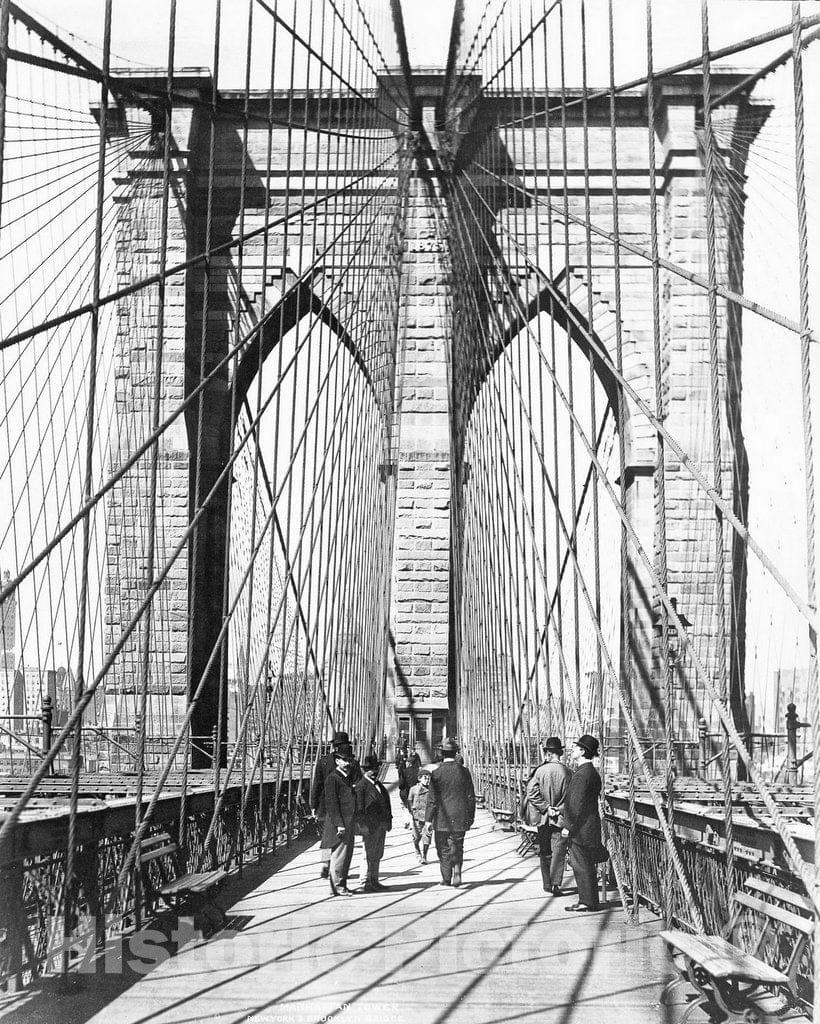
[{"x": 495, "y": 950}]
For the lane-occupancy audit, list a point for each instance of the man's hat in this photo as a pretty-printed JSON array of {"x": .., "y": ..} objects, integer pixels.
[
  {"x": 340, "y": 738},
  {"x": 588, "y": 744},
  {"x": 449, "y": 746},
  {"x": 371, "y": 762},
  {"x": 344, "y": 750},
  {"x": 553, "y": 746}
]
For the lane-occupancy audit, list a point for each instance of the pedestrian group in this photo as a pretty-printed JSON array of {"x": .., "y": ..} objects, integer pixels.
[{"x": 349, "y": 800}]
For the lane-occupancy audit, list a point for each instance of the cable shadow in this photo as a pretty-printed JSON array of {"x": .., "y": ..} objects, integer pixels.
[
  {"x": 485, "y": 974},
  {"x": 400, "y": 929},
  {"x": 583, "y": 971}
]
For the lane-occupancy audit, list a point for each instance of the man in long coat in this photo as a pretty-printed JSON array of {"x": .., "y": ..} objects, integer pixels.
[
  {"x": 339, "y": 834},
  {"x": 582, "y": 824},
  {"x": 546, "y": 792},
  {"x": 450, "y": 812},
  {"x": 325, "y": 766},
  {"x": 374, "y": 818}
]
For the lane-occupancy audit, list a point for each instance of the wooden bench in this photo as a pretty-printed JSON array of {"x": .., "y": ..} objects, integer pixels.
[
  {"x": 162, "y": 876},
  {"x": 734, "y": 983}
]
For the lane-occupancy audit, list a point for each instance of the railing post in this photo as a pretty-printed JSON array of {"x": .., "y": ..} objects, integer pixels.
[
  {"x": 791, "y": 742},
  {"x": 138, "y": 763},
  {"x": 48, "y": 721},
  {"x": 704, "y": 750}
]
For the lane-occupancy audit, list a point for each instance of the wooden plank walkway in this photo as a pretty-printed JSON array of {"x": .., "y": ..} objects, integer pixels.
[{"x": 495, "y": 950}]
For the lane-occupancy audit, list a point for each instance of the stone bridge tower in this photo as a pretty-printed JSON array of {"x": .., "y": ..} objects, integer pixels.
[{"x": 423, "y": 460}]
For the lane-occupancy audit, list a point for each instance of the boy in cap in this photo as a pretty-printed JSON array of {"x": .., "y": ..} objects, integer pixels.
[
  {"x": 450, "y": 811},
  {"x": 582, "y": 824},
  {"x": 324, "y": 767},
  {"x": 418, "y": 808},
  {"x": 374, "y": 819},
  {"x": 546, "y": 792},
  {"x": 408, "y": 776}
]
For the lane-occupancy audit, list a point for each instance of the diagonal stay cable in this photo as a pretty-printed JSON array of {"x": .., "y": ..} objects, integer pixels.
[
  {"x": 558, "y": 300},
  {"x": 780, "y": 822},
  {"x": 194, "y": 261},
  {"x": 674, "y": 268},
  {"x": 94, "y": 499},
  {"x": 693, "y": 64}
]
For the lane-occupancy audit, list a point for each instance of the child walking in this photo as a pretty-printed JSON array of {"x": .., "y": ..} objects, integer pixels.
[{"x": 417, "y": 800}]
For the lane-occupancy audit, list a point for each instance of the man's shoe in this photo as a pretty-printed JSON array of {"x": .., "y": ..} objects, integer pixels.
[
  {"x": 378, "y": 887},
  {"x": 342, "y": 890},
  {"x": 581, "y": 908},
  {"x": 456, "y": 876},
  {"x": 325, "y": 872},
  {"x": 445, "y": 881},
  {"x": 556, "y": 890},
  {"x": 423, "y": 859},
  {"x": 364, "y": 887}
]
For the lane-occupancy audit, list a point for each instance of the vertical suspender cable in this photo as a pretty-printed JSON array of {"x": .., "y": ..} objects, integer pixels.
[
  {"x": 808, "y": 448},
  {"x": 660, "y": 467},
  {"x": 4, "y": 70},
  {"x": 717, "y": 446},
  {"x": 240, "y": 263},
  {"x": 88, "y": 486},
  {"x": 267, "y": 695},
  {"x": 626, "y": 587},
  {"x": 156, "y": 408},
  {"x": 193, "y": 685},
  {"x": 596, "y": 722},
  {"x": 558, "y": 601}
]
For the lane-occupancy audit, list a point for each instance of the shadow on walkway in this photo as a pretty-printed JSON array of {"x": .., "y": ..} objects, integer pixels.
[{"x": 495, "y": 949}]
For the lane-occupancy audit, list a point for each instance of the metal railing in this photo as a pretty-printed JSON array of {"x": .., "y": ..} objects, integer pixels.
[{"x": 33, "y": 872}]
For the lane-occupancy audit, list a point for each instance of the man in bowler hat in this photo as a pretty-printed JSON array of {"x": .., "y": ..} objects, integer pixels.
[
  {"x": 546, "y": 792},
  {"x": 450, "y": 812},
  {"x": 582, "y": 824},
  {"x": 325, "y": 767},
  {"x": 374, "y": 819},
  {"x": 339, "y": 835}
]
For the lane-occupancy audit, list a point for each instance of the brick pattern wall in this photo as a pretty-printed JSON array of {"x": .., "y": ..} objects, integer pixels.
[
  {"x": 138, "y": 202},
  {"x": 420, "y": 591}
]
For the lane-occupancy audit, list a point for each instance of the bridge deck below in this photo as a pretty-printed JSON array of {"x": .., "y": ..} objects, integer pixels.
[{"x": 497, "y": 949}]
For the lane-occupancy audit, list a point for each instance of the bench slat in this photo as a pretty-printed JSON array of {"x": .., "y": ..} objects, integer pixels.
[
  {"x": 160, "y": 851},
  {"x": 160, "y": 837},
  {"x": 721, "y": 959},
  {"x": 771, "y": 910},
  {"x": 197, "y": 882},
  {"x": 778, "y": 893}
]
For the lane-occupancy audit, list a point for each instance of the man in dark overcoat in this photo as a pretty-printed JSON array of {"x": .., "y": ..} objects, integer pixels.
[
  {"x": 582, "y": 824},
  {"x": 374, "y": 819},
  {"x": 324, "y": 767},
  {"x": 339, "y": 833},
  {"x": 450, "y": 812}
]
